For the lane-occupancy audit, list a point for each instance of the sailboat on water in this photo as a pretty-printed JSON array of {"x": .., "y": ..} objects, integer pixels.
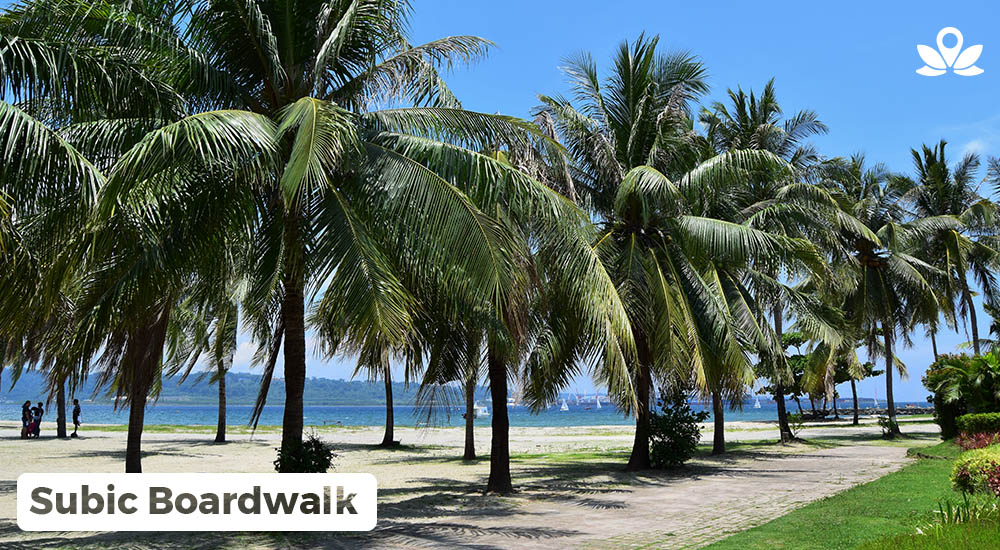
[
  {"x": 756, "y": 403},
  {"x": 597, "y": 399},
  {"x": 564, "y": 407}
]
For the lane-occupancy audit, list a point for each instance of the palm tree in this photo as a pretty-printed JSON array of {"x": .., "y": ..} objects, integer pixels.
[
  {"x": 884, "y": 284},
  {"x": 630, "y": 137},
  {"x": 941, "y": 190},
  {"x": 294, "y": 121},
  {"x": 772, "y": 201}
]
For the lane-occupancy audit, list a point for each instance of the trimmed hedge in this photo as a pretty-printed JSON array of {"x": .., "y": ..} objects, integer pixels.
[
  {"x": 978, "y": 471},
  {"x": 979, "y": 423}
]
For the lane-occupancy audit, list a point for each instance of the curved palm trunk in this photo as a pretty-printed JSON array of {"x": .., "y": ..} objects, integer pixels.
[
  {"x": 934, "y": 344},
  {"x": 220, "y": 430},
  {"x": 61, "y": 409},
  {"x": 854, "y": 394},
  {"x": 499, "y": 481},
  {"x": 779, "y": 388},
  {"x": 890, "y": 402},
  {"x": 293, "y": 314},
  {"x": 639, "y": 459},
  {"x": 719, "y": 436},
  {"x": 470, "y": 419},
  {"x": 973, "y": 321},
  {"x": 387, "y": 439}
]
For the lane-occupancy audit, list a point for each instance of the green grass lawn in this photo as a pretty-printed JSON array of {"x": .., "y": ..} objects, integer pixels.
[
  {"x": 892, "y": 505},
  {"x": 950, "y": 537}
]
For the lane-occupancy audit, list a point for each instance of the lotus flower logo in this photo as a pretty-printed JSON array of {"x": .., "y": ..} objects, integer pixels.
[{"x": 938, "y": 61}]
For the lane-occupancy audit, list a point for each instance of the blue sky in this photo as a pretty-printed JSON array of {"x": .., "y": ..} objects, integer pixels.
[{"x": 852, "y": 62}]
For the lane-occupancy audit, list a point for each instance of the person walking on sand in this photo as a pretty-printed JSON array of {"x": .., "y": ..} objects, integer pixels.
[
  {"x": 36, "y": 419},
  {"x": 76, "y": 417},
  {"x": 25, "y": 419}
]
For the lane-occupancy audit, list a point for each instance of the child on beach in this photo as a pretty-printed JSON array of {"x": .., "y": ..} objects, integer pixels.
[{"x": 76, "y": 417}]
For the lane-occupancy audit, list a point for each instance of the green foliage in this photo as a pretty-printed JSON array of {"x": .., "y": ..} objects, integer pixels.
[
  {"x": 889, "y": 427},
  {"x": 313, "y": 456},
  {"x": 674, "y": 431},
  {"x": 978, "y": 472},
  {"x": 795, "y": 423},
  {"x": 979, "y": 423},
  {"x": 962, "y": 384}
]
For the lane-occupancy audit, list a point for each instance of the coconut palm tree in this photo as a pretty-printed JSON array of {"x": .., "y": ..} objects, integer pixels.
[
  {"x": 884, "y": 284},
  {"x": 773, "y": 201},
  {"x": 940, "y": 190},
  {"x": 630, "y": 137},
  {"x": 297, "y": 121}
]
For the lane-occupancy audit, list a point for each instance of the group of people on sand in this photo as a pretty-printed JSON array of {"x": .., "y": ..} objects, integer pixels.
[{"x": 31, "y": 419}]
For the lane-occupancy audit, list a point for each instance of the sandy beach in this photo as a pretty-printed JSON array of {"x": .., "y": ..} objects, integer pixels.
[{"x": 572, "y": 490}]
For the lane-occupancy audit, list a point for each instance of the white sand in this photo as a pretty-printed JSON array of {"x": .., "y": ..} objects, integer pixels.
[{"x": 428, "y": 497}]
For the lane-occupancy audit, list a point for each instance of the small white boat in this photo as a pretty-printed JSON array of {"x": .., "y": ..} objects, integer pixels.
[
  {"x": 756, "y": 403},
  {"x": 481, "y": 411},
  {"x": 564, "y": 407},
  {"x": 598, "y": 400}
]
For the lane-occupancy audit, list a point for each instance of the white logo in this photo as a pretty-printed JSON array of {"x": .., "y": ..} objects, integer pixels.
[{"x": 962, "y": 63}]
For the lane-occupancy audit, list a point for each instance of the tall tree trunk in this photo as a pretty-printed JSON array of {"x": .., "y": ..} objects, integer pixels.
[
  {"x": 639, "y": 460},
  {"x": 293, "y": 312},
  {"x": 136, "y": 416},
  {"x": 779, "y": 387},
  {"x": 387, "y": 440},
  {"x": 798, "y": 403},
  {"x": 890, "y": 402},
  {"x": 142, "y": 357},
  {"x": 973, "y": 321},
  {"x": 61, "y": 408},
  {"x": 934, "y": 344},
  {"x": 719, "y": 436},
  {"x": 470, "y": 417},
  {"x": 812, "y": 404},
  {"x": 220, "y": 430},
  {"x": 854, "y": 394},
  {"x": 499, "y": 481},
  {"x": 835, "y": 415}
]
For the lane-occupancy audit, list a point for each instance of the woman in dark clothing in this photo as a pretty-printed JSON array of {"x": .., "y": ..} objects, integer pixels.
[
  {"x": 25, "y": 419},
  {"x": 76, "y": 417}
]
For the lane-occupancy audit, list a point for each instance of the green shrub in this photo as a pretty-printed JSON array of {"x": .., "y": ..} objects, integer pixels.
[
  {"x": 795, "y": 423},
  {"x": 889, "y": 427},
  {"x": 979, "y": 423},
  {"x": 978, "y": 471},
  {"x": 675, "y": 431},
  {"x": 313, "y": 456}
]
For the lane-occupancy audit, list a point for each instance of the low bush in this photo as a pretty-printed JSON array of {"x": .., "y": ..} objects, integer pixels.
[
  {"x": 795, "y": 423},
  {"x": 313, "y": 456},
  {"x": 969, "y": 441},
  {"x": 674, "y": 431},
  {"x": 979, "y": 423},
  {"x": 978, "y": 472},
  {"x": 889, "y": 427}
]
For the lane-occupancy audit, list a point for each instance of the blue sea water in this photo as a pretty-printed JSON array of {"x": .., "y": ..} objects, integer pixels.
[{"x": 374, "y": 415}]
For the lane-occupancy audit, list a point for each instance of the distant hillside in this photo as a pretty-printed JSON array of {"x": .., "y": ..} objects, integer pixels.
[{"x": 241, "y": 389}]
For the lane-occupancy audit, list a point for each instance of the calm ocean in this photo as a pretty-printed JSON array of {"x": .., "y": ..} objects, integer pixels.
[{"x": 374, "y": 415}]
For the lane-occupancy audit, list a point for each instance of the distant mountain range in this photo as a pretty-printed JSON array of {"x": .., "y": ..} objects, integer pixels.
[{"x": 241, "y": 389}]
